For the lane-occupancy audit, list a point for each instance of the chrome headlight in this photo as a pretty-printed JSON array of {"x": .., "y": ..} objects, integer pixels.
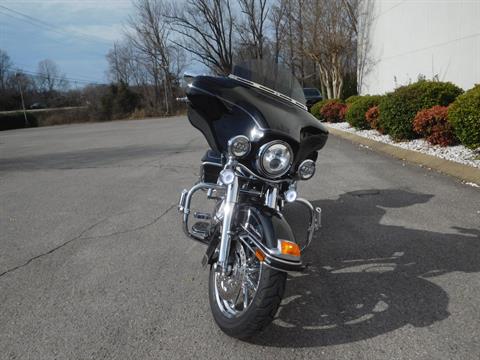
[
  {"x": 274, "y": 159},
  {"x": 306, "y": 169},
  {"x": 239, "y": 146}
]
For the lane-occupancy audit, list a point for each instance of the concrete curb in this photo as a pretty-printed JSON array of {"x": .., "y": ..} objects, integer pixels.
[{"x": 463, "y": 172}]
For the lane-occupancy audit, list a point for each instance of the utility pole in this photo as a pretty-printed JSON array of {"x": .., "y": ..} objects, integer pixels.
[{"x": 17, "y": 76}]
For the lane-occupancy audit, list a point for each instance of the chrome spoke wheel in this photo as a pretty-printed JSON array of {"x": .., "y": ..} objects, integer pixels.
[{"x": 235, "y": 291}]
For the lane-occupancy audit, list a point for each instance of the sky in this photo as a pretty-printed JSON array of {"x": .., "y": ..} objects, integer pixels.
[{"x": 76, "y": 34}]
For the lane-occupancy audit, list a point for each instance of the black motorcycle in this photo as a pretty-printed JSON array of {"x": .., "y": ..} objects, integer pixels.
[{"x": 263, "y": 141}]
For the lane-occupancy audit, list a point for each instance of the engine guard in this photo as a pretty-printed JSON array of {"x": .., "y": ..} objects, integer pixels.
[{"x": 258, "y": 227}]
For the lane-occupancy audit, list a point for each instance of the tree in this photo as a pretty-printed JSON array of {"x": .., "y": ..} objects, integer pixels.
[
  {"x": 365, "y": 60},
  {"x": 252, "y": 29},
  {"x": 206, "y": 28},
  {"x": 331, "y": 41},
  {"x": 126, "y": 64},
  {"x": 150, "y": 36},
  {"x": 294, "y": 40},
  {"x": 5, "y": 69},
  {"x": 49, "y": 77},
  {"x": 120, "y": 60},
  {"x": 278, "y": 23}
]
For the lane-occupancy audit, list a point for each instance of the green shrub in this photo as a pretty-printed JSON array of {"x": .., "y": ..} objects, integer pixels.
[
  {"x": 357, "y": 109},
  {"x": 352, "y": 99},
  {"x": 315, "y": 109},
  {"x": 464, "y": 115},
  {"x": 398, "y": 109}
]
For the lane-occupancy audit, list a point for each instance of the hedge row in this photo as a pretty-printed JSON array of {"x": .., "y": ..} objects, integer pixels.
[
  {"x": 398, "y": 108},
  {"x": 16, "y": 120},
  {"x": 464, "y": 115},
  {"x": 357, "y": 109},
  {"x": 332, "y": 110},
  {"x": 438, "y": 111}
]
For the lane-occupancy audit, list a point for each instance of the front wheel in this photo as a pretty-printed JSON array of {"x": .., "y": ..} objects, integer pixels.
[{"x": 246, "y": 299}]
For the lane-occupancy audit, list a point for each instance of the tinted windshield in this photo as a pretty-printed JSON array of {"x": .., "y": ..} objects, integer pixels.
[
  {"x": 273, "y": 76},
  {"x": 311, "y": 92}
]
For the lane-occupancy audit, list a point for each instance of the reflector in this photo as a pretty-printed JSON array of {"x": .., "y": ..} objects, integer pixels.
[{"x": 289, "y": 248}]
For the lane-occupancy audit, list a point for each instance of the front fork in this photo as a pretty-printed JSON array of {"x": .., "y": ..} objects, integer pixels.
[
  {"x": 231, "y": 198},
  {"x": 230, "y": 179}
]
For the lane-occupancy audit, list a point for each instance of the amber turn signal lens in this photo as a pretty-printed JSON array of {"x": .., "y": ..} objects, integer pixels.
[
  {"x": 289, "y": 248},
  {"x": 260, "y": 255}
]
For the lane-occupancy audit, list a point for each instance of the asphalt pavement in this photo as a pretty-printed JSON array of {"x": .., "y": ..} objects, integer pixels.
[{"x": 94, "y": 264}]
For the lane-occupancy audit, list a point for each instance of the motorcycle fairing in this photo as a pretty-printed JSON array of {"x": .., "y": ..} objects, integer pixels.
[{"x": 223, "y": 107}]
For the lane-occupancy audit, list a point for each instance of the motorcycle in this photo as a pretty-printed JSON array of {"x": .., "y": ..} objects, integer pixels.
[{"x": 263, "y": 141}]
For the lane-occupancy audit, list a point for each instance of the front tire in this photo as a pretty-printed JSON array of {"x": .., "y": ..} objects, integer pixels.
[{"x": 260, "y": 295}]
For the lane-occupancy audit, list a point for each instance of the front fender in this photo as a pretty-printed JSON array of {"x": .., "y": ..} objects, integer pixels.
[
  {"x": 261, "y": 227},
  {"x": 270, "y": 223}
]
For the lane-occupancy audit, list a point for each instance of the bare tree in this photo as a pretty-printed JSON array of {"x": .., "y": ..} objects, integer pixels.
[
  {"x": 125, "y": 64},
  {"x": 150, "y": 36},
  {"x": 252, "y": 29},
  {"x": 206, "y": 28},
  {"x": 49, "y": 77},
  {"x": 278, "y": 22},
  {"x": 294, "y": 43},
  {"x": 119, "y": 59},
  {"x": 299, "y": 22},
  {"x": 5, "y": 68},
  {"x": 365, "y": 59},
  {"x": 330, "y": 39}
]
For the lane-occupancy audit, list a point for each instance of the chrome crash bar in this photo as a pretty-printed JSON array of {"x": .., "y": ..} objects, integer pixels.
[
  {"x": 231, "y": 195},
  {"x": 184, "y": 206},
  {"x": 315, "y": 220},
  {"x": 186, "y": 197}
]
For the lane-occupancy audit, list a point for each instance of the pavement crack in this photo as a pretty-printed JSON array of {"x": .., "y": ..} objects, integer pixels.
[
  {"x": 79, "y": 236},
  {"x": 135, "y": 228}
]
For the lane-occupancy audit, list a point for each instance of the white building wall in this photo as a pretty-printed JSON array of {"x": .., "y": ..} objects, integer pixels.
[{"x": 432, "y": 38}]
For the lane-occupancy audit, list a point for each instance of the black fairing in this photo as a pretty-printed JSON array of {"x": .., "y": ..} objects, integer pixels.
[{"x": 221, "y": 107}]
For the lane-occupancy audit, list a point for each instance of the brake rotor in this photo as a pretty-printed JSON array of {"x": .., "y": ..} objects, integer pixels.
[{"x": 229, "y": 286}]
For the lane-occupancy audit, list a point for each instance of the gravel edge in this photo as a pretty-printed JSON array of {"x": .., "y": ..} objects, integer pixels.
[{"x": 468, "y": 174}]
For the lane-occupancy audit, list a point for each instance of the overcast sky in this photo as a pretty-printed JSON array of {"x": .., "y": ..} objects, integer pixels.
[{"x": 76, "y": 34}]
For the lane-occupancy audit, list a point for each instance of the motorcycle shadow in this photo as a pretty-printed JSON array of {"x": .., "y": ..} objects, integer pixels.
[{"x": 366, "y": 278}]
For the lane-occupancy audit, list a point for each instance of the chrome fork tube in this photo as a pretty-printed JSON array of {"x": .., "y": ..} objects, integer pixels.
[{"x": 229, "y": 209}]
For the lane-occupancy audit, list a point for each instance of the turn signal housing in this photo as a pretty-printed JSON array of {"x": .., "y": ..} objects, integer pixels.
[
  {"x": 288, "y": 248},
  {"x": 260, "y": 255}
]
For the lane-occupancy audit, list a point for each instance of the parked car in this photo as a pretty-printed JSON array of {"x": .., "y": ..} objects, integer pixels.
[
  {"x": 37, "y": 105},
  {"x": 312, "y": 95}
]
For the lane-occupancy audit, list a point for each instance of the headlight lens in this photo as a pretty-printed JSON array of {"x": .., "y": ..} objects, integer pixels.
[
  {"x": 306, "y": 169},
  {"x": 239, "y": 146},
  {"x": 275, "y": 158}
]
